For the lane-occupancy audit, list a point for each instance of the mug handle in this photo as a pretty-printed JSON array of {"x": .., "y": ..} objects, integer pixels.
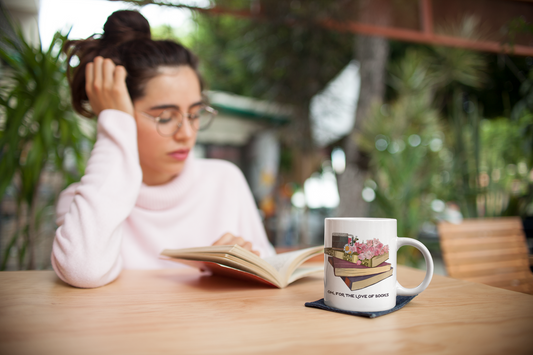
[{"x": 402, "y": 291}]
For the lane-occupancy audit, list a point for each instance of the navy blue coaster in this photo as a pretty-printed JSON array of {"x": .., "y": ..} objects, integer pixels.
[{"x": 400, "y": 302}]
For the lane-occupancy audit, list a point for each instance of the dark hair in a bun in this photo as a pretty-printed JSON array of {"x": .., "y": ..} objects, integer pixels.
[
  {"x": 127, "y": 41},
  {"x": 124, "y": 26}
]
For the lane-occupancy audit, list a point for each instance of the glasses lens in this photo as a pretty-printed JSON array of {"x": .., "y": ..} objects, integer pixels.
[
  {"x": 169, "y": 122},
  {"x": 205, "y": 118}
]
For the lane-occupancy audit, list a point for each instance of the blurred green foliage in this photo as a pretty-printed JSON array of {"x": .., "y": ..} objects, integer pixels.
[
  {"x": 398, "y": 137},
  {"x": 506, "y": 174},
  {"x": 226, "y": 61},
  {"x": 288, "y": 58},
  {"x": 402, "y": 139},
  {"x": 38, "y": 134},
  {"x": 430, "y": 142},
  {"x": 284, "y": 56},
  {"x": 272, "y": 60}
]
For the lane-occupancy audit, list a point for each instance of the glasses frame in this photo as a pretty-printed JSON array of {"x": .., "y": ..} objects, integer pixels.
[{"x": 157, "y": 119}]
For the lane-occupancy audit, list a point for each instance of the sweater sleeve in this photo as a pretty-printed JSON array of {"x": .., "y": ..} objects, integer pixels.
[
  {"x": 251, "y": 226},
  {"x": 90, "y": 214}
]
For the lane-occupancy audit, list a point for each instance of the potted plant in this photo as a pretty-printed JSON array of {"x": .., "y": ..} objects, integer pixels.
[{"x": 40, "y": 137}]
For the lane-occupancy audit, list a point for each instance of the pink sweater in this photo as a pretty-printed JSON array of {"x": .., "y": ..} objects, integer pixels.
[{"x": 110, "y": 220}]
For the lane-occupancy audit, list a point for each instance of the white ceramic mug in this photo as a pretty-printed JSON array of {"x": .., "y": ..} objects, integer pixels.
[{"x": 360, "y": 264}]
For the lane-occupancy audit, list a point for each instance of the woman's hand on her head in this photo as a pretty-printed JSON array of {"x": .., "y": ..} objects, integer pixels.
[
  {"x": 105, "y": 84},
  {"x": 230, "y": 239}
]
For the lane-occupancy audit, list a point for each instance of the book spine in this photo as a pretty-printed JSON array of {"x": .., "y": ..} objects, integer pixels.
[
  {"x": 338, "y": 241},
  {"x": 341, "y": 255},
  {"x": 348, "y": 283},
  {"x": 360, "y": 282},
  {"x": 375, "y": 261},
  {"x": 349, "y": 272}
]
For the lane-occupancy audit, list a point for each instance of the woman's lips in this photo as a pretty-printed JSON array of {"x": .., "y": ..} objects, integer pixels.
[{"x": 180, "y": 154}]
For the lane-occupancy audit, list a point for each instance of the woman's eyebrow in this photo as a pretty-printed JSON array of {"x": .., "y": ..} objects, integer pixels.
[{"x": 164, "y": 107}]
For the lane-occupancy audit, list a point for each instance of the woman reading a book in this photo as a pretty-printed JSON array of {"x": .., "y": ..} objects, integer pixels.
[{"x": 142, "y": 190}]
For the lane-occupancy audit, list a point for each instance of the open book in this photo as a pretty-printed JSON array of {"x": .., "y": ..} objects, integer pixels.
[{"x": 232, "y": 260}]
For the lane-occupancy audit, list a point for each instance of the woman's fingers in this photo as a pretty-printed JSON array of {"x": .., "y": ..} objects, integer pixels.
[
  {"x": 120, "y": 77},
  {"x": 108, "y": 75},
  {"x": 230, "y": 239},
  {"x": 92, "y": 71},
  {"x": 248, "y": 246},
  {"x": 89, "y": 88},
  {"x": 97, "y": 81},
  {"x": 106, "y": 86},
  {"x": 226, "y": 239},
  {"x": 89, "y": 78},
  {"x": 120, "y": 90}
]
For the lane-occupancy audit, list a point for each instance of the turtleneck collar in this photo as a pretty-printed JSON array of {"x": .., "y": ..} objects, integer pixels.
[{"x": 165, "y": 196}]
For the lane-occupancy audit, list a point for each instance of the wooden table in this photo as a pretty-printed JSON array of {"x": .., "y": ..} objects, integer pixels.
[{"x": 183, "y": 312}]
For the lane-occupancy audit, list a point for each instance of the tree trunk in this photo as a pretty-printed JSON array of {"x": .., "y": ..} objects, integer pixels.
[
  {"x": 372, "y": 53},
  {"x": 297, "y": 136}
]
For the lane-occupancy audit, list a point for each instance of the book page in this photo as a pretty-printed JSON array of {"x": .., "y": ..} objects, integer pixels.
[
  {"x": 286, "y": 263},
  {"x": 198, "y": 250},
  {"x": 224, "y": 268},
  {"x": 234, "y": 252},
  {"x": 277, "y": 269},
  {"x": 281, "y": 262},
  {"x": 229, "y": 260}
]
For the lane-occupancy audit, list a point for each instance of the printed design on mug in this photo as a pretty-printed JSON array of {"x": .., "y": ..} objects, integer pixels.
[{"x": 358, "y": 264}]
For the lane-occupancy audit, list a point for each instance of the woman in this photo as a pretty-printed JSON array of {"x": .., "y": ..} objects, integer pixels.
[{"x": 142, "y": 190}]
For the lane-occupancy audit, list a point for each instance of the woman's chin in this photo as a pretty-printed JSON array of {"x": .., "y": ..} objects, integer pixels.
[{"x": 153, "y": 177}]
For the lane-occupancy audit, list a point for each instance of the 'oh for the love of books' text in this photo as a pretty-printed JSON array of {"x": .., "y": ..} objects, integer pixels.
[{"x": 349, "y": 295}]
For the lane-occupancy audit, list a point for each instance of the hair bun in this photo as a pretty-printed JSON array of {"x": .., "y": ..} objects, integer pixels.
[{"x": 124, "y": 26}]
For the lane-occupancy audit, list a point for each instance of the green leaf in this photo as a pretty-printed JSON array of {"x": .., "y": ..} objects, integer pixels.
[{"x": 35, "y": 98}]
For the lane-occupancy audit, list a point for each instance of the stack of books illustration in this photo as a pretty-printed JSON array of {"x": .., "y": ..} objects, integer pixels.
[{"x": 359, "y": 264}]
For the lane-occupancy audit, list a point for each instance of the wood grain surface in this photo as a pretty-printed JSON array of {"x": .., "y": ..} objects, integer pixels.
[{"x": 184, "y": 312}]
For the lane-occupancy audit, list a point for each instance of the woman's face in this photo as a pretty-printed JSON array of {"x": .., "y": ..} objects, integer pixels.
[{"x": 162, "y": 158}]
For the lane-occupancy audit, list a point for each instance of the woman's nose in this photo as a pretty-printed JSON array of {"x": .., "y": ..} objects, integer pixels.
[{"x": 186, "y": 131}]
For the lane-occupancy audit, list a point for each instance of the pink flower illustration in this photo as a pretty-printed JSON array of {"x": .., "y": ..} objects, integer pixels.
[{"x": 366, "y": 249}]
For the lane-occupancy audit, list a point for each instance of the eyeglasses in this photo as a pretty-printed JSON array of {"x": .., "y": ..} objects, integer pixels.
[{"x": 171, "y": 120}]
